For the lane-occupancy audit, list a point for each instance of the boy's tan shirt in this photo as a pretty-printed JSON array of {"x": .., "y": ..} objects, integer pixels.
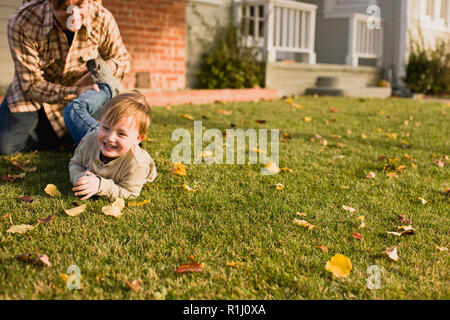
[{"x": 122, "y": 177}]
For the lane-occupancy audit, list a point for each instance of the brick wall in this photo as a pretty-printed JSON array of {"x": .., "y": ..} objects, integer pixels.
[{"x": 154, "y": 33}]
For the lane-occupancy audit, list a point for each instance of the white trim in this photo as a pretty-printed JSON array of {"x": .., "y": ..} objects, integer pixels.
[
  {"x": 218, "y": 3},
  {"x": 332, "y": 9},
  {"x": 403, "y": 39},
  {"x": 434, "y": 22}
]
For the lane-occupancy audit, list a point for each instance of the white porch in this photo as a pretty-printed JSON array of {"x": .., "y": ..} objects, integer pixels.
[{"x": 277, "y": 27}]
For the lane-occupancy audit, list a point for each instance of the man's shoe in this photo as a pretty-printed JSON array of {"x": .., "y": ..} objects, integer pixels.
[{"x": 102, "y": 73}]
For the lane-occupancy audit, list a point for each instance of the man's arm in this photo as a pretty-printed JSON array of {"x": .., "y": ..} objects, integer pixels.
[
  {"x": 26, "y": 62},
  {"x": 112, "y": 49}
]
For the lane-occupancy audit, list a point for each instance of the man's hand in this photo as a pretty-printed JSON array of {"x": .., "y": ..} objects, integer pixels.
[
  {"x": 87, "y": 185},
  {"x": 85, "y": 80},
  {"x": 82, "y": 90}
]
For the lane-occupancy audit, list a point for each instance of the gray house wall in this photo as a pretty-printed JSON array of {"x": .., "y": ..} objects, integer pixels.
[
  {"x": 7, "y": 8},
  {"x": 331, "y": 36},
  {"x": 201, "y": 18}
]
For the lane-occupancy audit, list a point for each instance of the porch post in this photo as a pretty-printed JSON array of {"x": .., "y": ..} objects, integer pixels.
[
  {"x": 270, "y": 51},
  {"x": 312, "y": 38},
  {"x": 352, "y": 58}
]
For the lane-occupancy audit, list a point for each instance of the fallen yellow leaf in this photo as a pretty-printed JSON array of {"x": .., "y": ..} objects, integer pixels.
[
  {"x": 362, "y": 222},
  {"x": 307, "y": 119},
  {"x": 76, "y": 211},
  {"x": 441, "y": 248},
  {"x": 20, "y": 228},
  {"x": 272, "y": 168},
  {"x": 339, "y": 265},
  {"x": 115, "y": 208},
  {"x": 138, "y": 204},
  {"x": 189, "y": 189},
  {"x": 279, "y": 186},
  {"x": 235, "y": 264},
  {"x": 422, "y": 200},
  {"x": 52, "y": 190},
  {"x": 347, "y": 208},
  {"x": 186, "y": 116},
  {"x": 178, "y": 169},
  {"x": 304, "y": 223}
]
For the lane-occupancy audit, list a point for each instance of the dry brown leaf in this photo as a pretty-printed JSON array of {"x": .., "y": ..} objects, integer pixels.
[
  {"x": 226, "y": 113},
  {"x": 347, "y": 208},
  {"x": 391, "y": 252},
  {"x": 408, "y": 230},
  {"x": 13, "y": 177},
  {"x": 323, "y": 247},
  {"x": 439, "y": 163},
  {"x": 27, "y": 199},
  {"x": 52, "y": 190},
  {"x": 194, "y": 266},
  {"x": 42, "y": 258},
  {"x": 357, "y": 235},
  {"x": 304, "y": 223},
  {"x": 27, "y": 257},
  {"x": 398, "y": 234},
  {"x": 134, "y": 285},
  {"x": 46, "y": 220},
  {"x": 403, "y": 219},
  {"x": 370, "y": 175},
  {"x": 22, "y": 166},
  {"x": 362, "y": 225},
  {"x": 75, "y": 211}
]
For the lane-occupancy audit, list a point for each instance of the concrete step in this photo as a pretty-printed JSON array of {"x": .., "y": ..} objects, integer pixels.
[
  {"x": 369, "y": 92},
  {"x": 332, "y": 82}
]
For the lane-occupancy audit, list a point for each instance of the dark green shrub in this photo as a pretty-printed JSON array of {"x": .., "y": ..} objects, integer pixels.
[
  {"x": 227, "y": 63},
  {"x": 428, "y": 70}
]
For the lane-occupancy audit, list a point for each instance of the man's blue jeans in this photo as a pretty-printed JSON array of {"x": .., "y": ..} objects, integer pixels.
[
  {"x": 81, "y": 115},
  {"x": 25, "y": 131}
]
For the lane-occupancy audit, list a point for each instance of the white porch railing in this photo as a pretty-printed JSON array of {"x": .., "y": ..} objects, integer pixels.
[
  {"x": 364, "y": 42},
  {"x": 278, "y": 26}
]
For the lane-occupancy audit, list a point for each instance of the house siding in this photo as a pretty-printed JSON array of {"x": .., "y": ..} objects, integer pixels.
[
  {"x": 331, "y": 36},
  {"x": 7, "y": 8},
  {"x": 391, "y": 15},
  {"x": 202, "y": 18}
]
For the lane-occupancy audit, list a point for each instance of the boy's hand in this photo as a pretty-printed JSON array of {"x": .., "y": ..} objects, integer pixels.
[{"x": 87, "y": 185}]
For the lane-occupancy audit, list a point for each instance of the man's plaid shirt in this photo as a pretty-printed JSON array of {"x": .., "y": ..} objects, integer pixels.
[{"x": 46, "y": 68}]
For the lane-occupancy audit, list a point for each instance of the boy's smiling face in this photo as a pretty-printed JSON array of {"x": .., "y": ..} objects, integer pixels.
[{"x": 117, "y": 139}]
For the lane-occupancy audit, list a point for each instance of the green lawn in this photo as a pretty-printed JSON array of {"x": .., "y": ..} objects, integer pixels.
[{"x": 237, "y": 215}]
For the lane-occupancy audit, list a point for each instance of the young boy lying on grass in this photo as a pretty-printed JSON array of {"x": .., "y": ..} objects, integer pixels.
[{"x": 108, "y": 161}]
